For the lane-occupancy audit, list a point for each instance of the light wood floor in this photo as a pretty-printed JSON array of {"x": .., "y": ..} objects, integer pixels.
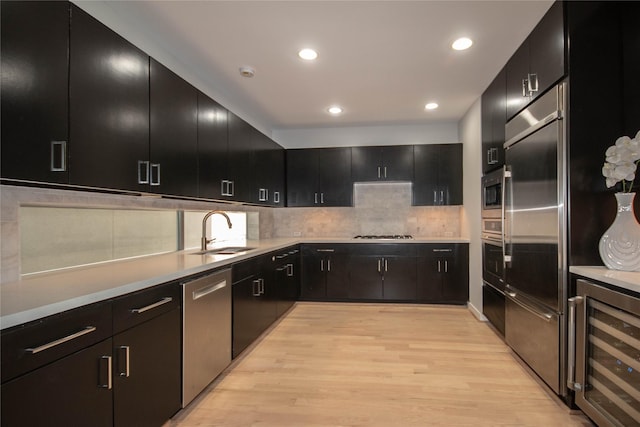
[{"x": 377, "y": 365}]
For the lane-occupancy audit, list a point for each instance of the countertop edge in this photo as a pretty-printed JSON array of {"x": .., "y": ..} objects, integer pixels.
[
  {"x": 629, "y": 280},
  {"x": 171, "y": 266}
]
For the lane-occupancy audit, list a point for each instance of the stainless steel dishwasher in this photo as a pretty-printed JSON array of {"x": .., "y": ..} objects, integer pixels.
[{"x": 206, "y": 331}]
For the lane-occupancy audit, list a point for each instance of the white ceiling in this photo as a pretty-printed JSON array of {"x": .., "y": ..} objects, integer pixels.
[{"x": 380, "y": 60}]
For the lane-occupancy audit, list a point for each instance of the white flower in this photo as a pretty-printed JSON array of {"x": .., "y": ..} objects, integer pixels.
[{"x": 621, "y": 160}]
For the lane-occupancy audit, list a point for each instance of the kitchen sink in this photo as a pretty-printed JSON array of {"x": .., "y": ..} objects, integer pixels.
[{"x": 230, "y": 250}]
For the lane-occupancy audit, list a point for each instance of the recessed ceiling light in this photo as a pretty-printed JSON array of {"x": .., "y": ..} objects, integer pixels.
[
  {"x": 431, "y": 106},
  {"x": 308, "y": 54},
  {"x": 335, "y": 110},
  {"x": 462, "y": 43},
  {"x": 247, "y": 72}
]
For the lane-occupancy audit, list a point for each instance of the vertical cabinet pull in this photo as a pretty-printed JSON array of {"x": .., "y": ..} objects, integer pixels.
[
  {"x": 379, "y": 268},
  {"x": 263, "y": 195},
  {"x": 105, "y": 374},
  {"x": 255, "y": 288},
  {"x": 290, "y": 270},
  {"x": 226, "y": 187},
  {"x": 525, "y": 83},
  {"x": 315, "y": 198},
  {"x": 58, "y": 156},
  {"x": 532, "y": 83},
  {"x": 143, "y": 172},
  {"x": 322, "y": 198},
  {"x": 446, "y": 266},
  {"x": 385, "y": 171},
  {"x": 439, "y": 266},
  {"x": 276, "y": 197},
  {"x": 261, "y": 281},
  {"x": 379, "y": 174},
  {"x": 571, "y": 345},
  {"x": 155, "y": 174},
  {"x": 385, "y": 265},
  {"x": 322, "y": 265},
  {"x": 232, "y": 188},
  {"x": 123, "y": 359},
  {"x": 329, "y": 264}
]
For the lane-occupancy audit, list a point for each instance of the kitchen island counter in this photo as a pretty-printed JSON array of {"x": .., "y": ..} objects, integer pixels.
[{"x": 44, "y": 294}]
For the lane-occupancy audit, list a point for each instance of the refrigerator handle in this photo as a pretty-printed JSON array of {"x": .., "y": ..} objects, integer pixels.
[
  {"x": 506, "y": 237},
  {"x": 571, "y": 350}
]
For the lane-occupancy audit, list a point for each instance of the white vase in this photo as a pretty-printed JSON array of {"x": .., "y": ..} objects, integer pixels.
[{"x": 620, "y": 244}]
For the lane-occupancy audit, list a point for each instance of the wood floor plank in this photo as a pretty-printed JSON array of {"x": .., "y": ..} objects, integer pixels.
[{"x": 377, "y": 365}]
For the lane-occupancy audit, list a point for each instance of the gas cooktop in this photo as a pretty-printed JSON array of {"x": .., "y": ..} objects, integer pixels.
[{"x": 385, "y": 236}]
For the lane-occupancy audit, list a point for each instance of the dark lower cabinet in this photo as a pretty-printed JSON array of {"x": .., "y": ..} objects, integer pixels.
[
  {"x": 493, "y": 305},
  {"x": 35, "y": 90},
  {"x": 254, "y": 300},
  {"x": 365, "y": 278},
  {"x": 443, "y": 273},
  {"x": 147, "y": 380},
  {"x": 74, "y": 390},
  {"x": 325, "y": 272},
  {"x": 287, "y": 278}
]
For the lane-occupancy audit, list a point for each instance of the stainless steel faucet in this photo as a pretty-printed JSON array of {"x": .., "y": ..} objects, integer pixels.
[{"x": 205, "y": 241}]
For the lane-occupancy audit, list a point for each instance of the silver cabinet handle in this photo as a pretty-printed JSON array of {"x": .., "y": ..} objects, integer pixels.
[
  {"x": 379, "y": 174},
  {"x": 443, "y": 250},
  {"x": 203, "y": 292},
  {"x": 532, "y": 83},
  {"x": 322, "y": 198},
  {"x": 263, "y": 195},
  {"x": 385, "y": 265},
  {"x": 290, "y": 270},
  {"x": 329, "y": 264},
  {"x": 322, "y": 265},
  {"x": 439, "y": 266},
  {"x": 85, "y": 331},
  {"x": 105, "y": 381},
  {"x": 385, "y": 171},
  {"x": 232, "y": 188},
  {"x": 442, "y": 197},
  {"x": 571, "y": 348},
  {"x": 124, "y": 357},
  {"x": 143, "y": 172},
  {"x": 276, "y": 197},
  {"x": 283, "y": 268},
  {"x": 435, "y": 197},
  {"x": 261, "y": 286},
  {"x": 58, "y": 156},
  {"x": 163, "y": 301},
  {"x": 525, "y": 83},
  {"x": 254, "y": 292},
  {"x": 446, "y": 266},
  {"x": 155, "y": 172},
  {"x": 315, "y": 198},
  {"x": 379, "y": 268},
  {"x": 282, "y": 256},
  {"x": 325, "y": 250},
  {"x": 514, "y": 297}
]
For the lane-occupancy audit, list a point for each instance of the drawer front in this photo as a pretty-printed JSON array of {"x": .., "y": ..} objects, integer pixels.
[
  {"x": 34, "y": 344},
  {"x": 136, "y": 308},
  {"x": 384, "y": 249},
  {"x": 439, "y": 249}
]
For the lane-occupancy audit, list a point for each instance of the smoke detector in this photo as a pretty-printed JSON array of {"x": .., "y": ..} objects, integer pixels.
[{"x": 247, "y": 72}]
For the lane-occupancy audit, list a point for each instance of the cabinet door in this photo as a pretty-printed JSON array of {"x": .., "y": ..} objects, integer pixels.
[
  {"x": 75, "y": 390},
  {"x": 334, "y": 177},
  {"x": 429, "y": 282},
  {"x": 275, "y": 178},
  {"x": 240, "y": 165},
  {"x": 400, "y": 276},
  {"x": 337, "y": 268},
  {"x": 494, "y": 118},
  {"x": 246, "y": 303},
  {"x": 302, "y": 177},
  {"x": 147, "y": 373},
  {"x": 313, "y": 283},
  {"x": 109, "y": 107},
  {"x": 269, "y": 170},
  {"x": 455, "y": 283},
  {"x": 547, "y": 50},
  {"x": 212, "y": 147},
  {"x": 425, "y": 183},
  {"x": 450, "y": 173},
  {"x": 35, "y": 93},
  {"x": 365, "y": 277},
  {"x": 397, "y": 163},
  {"x": 517, "y": 69},
  {"x": 174, "y": 133},
  {"x": 366, "y": 163}
]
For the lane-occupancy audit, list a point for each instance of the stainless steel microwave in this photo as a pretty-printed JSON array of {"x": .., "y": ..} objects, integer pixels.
[{"x": 492, "y": 196}]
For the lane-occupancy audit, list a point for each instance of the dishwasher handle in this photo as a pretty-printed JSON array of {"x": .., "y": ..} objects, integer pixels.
[{"x": 203, "y": 292}]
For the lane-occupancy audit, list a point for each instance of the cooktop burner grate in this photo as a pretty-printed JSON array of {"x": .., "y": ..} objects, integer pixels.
[{"x": 385, "y": 236}]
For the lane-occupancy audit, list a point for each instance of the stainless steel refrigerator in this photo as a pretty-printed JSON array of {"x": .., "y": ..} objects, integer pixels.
[{"x": 535, "y": 224}]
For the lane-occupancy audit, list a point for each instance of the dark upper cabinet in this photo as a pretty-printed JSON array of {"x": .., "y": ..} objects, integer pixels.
[
  {"x": 494, "y": 118},
  {"x": 212, "y": 147},
  {"x": 173, "y": 159},
  {"x": 319, "y": 177},
  {"x": 109, "y": 107},
  {"x": 438, "y": 175},
  {"x": 538, "y": 63},
  {"x": 389, "y": 163},
  {"x": 269, "y": 164},
  {"x": 35, "y": 98},
  {"x": 240, "y": 186}
]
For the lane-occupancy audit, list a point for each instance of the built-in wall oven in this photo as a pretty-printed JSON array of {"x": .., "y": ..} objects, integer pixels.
[
  {"x": 493, "y": 298},
  {"x": 604, "y": 331}
]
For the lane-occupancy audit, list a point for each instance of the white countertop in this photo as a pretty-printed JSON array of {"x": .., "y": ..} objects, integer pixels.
[
  {"x": 41, "y": 295},
  {"x": 623, "y": 279}
]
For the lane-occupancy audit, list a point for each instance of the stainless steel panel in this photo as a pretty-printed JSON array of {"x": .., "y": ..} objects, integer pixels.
[
  {"x": 206, "y": 332},
  {"x": 607, "y": 376},
  {"x": 536, "y": 339},
  {"x": 545, "y": 109}
]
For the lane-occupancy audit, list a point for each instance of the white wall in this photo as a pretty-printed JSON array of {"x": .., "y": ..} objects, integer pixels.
[
  {"x": 410, "y": 134},
  {"x": 470, "y": 135}
]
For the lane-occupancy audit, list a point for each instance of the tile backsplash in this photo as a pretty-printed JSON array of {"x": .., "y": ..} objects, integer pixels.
[{"x": 379, "y": 208}]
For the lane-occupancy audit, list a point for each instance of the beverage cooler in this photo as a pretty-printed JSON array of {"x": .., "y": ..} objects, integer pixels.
[{"x": 606, "y": 353}]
